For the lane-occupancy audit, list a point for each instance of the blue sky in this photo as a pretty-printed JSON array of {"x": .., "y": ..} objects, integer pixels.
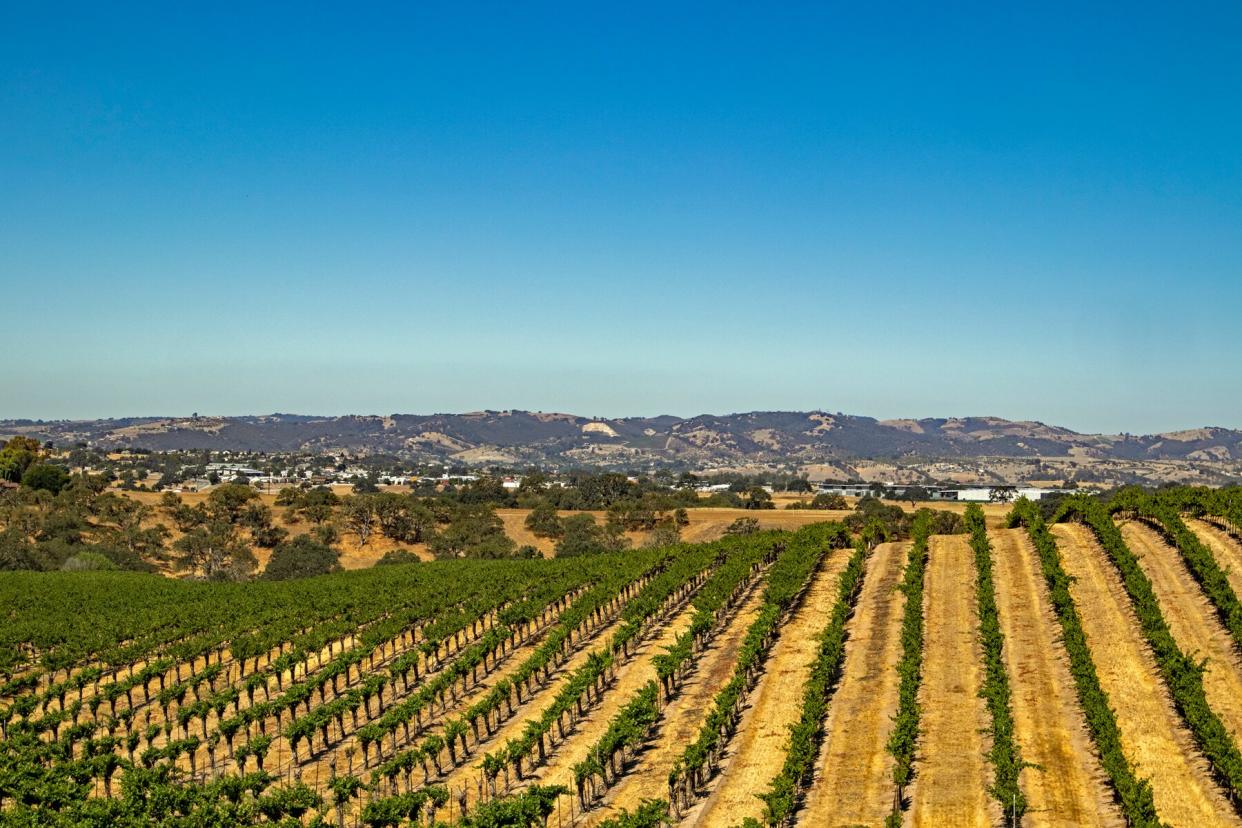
[{"x": 617, "y": 209}]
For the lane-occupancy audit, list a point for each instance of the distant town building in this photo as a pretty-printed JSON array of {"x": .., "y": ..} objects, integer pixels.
[
  {"x": 449, "y": 478},
  {"x": 966, "y": 494},
  {"x": 849, "y": 489},
  {"x": 994, "y": 494},
  {"x": 227, "y": 471}
]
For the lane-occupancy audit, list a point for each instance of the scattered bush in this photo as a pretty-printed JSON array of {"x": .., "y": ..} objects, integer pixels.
[
  {"x": 398, "y": 556},
  {"x": 743, "y": 526}
]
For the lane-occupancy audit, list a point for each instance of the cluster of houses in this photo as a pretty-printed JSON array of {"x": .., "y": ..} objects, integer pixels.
[
  {"x": 327, "y": 474},
  {"x": 226, "y": 472},
  {"x": 969, "y": 494},
  {"x": 322, "y": 477}
]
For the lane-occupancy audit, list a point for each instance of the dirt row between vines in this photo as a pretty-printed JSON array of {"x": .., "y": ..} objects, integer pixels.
[
  {"x": 468, "y": 775},
  {"x": 1152, "y": 733},
  {"x": 853, "y": 783},
  {"x": 951, "y": 773},
  {"x": 318, "y": 769},
  {"x": 631, "y": 676},
  {"x": 1192, "y": 620},
  {"x": 1225, "y": 548},
  {"x": 683, "y": 715},
  {"x": 757, "y": 751},
  {"x": 1065, "y": 786},
  {"x": 279, "y": 759}
]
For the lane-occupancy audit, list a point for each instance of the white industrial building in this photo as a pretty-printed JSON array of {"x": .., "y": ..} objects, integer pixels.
[
  {"x": 968, "y": 494},
  {"x": 990, "y": 494},
  {"x": 846, "y": 489}
]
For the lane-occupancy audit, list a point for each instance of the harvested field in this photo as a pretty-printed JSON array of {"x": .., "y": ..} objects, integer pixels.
[
  {"x": 951, "y": 772},
  {"x": 1154, "y": 736},
  {"x": 1066, "y": 786},
  {"x": 756, "y": 753},
  {"x": 853, "y": 785}
]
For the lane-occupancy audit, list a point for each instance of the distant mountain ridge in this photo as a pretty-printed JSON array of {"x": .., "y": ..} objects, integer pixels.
[{"x": 567, "y": 439}]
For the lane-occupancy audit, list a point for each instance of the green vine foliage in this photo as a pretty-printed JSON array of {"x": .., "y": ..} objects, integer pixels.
[
  {"x": 904, "y": 738},
  {"x": 1181, "y": 673},
  {"x": 230, "y": 668},
  {"x": 1161, "y": 512},
  {"x": 785, "y": 790},
  {"x": 786, "y": 582},
  {"x": 1005, "y": 756},
  {"x": 1133, "y": 793}
]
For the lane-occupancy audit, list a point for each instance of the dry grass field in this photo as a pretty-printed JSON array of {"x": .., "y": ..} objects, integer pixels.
[{"x": 705, "y": 525}]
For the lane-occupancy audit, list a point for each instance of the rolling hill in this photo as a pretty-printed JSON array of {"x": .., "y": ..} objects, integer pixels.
[{"x": 566, "y": 439}]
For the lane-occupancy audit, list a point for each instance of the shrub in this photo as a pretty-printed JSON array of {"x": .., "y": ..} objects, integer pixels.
[{"x": 398, "y": 556}]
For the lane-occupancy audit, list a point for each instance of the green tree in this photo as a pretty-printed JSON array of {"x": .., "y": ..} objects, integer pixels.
[
  {"x": 359, "y": 514},
  {"x": 366, "y": 485},
  {"x": 614, "y": 537},
  {"x": 16, "y": 551},
  {"x": 532, "y": 487},
  {"x": 759, "y": 498},
  {"x": 402, "y": 517},
  {"x": 302, "y": 557},
  {"x": 487, "y": 489},
  {"x": 290, "y": 497},
  {"x": 582, "y": 536},
  {"x": 824, "y": 500},
  {"x": 317, "y": 505},
  {"x": 183, "y": 516},
  {"x": 632, "y": 515},
  {"x": 666, "y": 533},
  {"x": 326, "y": 533},
  {"x": 474, "y": 532},
  {"x": 257, "y": 517},
  {"x": 216, "y": 552},
  {"x": 914, "y": 494},
  {"x": 227, "y": 502},
  {"x": 544, "y": 522},
  {"x": 16, "y": 455},
  {"x": 45, "y": 477}
]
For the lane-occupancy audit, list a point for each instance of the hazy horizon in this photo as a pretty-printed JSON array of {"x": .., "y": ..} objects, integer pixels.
[{"x": 596, "y": 416}]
